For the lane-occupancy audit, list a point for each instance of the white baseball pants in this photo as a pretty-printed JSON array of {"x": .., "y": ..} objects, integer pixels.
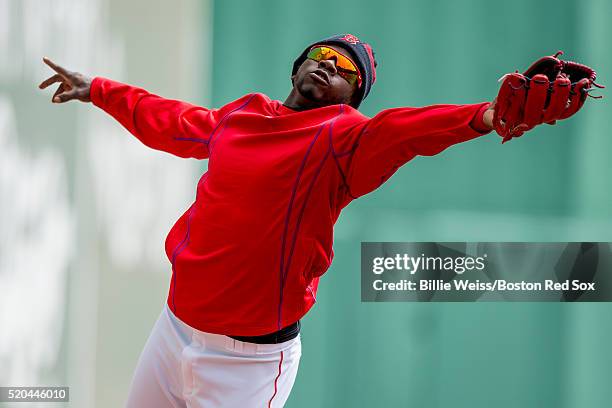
[{"x": 181, "y": 367}]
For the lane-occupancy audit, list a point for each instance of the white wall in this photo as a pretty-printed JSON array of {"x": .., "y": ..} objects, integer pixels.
[{"x": 84, "y": 207}]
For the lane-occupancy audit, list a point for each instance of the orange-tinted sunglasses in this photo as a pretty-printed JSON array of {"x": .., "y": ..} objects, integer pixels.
[{"x": 346, "y": 68}]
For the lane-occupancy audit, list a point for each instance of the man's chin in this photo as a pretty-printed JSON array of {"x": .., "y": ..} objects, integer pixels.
[
  {"x": 312, "y": 94},
  {"x": 315, "y": 98}
]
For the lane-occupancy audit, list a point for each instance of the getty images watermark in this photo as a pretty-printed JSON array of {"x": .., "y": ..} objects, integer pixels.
[{"x": 460, "y": 271}]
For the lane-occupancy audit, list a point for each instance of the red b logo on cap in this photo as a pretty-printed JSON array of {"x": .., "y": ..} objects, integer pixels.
[{"x": 350, "y": 38}]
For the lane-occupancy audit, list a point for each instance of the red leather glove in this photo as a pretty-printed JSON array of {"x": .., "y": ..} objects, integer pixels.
[{"x": 550, "y": 90}]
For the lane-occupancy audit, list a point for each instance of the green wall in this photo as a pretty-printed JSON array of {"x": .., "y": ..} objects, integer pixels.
[{"x": 553, "y": 184}]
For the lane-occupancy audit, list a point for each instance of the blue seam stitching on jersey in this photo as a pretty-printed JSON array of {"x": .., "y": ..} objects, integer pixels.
[
  {"x": 301, "y": 213},
  {"x": 177, "y": 251},
  {"x": 175, "y": 254},
  {"x": 282, "y": 272},
  {"x": 287, "y": 219},
  {"x": 192, "y": 139},
  {"x": 211, "y": 143},
  {"x": 350, "y": 161},
  {"x": 352, "y": 150}
]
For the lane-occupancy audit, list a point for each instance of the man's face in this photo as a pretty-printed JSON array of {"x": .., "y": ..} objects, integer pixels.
[{"x": 320, "y": 82}]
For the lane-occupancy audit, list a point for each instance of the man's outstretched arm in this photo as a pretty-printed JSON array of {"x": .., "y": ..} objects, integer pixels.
[
  {"x": 382, "y": 144},
  {"x": 163, "y": 124}
]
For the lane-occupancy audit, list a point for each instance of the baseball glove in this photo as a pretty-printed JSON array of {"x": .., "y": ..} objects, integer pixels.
[{"x": 550, "y": 90}]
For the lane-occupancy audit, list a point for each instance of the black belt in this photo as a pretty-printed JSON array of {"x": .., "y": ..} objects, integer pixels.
[{"x": 280, "y": 336}]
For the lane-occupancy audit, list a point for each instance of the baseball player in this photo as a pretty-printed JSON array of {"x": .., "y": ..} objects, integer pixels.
[{"x": 247, "y": 255}]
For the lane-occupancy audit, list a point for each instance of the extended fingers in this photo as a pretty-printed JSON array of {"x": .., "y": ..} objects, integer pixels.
[
  {"x": 55, "y": 78},
  {"x": 58, "y": 68}
]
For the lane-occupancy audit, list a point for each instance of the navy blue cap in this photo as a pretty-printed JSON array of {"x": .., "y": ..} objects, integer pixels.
[{"x": 361, "y": 53}]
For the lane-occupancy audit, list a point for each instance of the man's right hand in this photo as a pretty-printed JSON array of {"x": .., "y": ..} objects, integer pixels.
[{"x": 73, "y": 85}]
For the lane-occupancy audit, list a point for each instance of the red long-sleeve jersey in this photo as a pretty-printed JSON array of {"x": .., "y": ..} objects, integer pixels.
[{"x": 247, "y": 255}]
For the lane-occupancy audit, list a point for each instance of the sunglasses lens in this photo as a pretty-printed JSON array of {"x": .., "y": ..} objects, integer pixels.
[
  {"x": 346, "y": 68},
  {"x": 350, "y": 77}
]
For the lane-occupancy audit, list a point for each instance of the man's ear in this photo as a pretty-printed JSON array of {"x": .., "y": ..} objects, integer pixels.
[{"x": 293, "y": 79}]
